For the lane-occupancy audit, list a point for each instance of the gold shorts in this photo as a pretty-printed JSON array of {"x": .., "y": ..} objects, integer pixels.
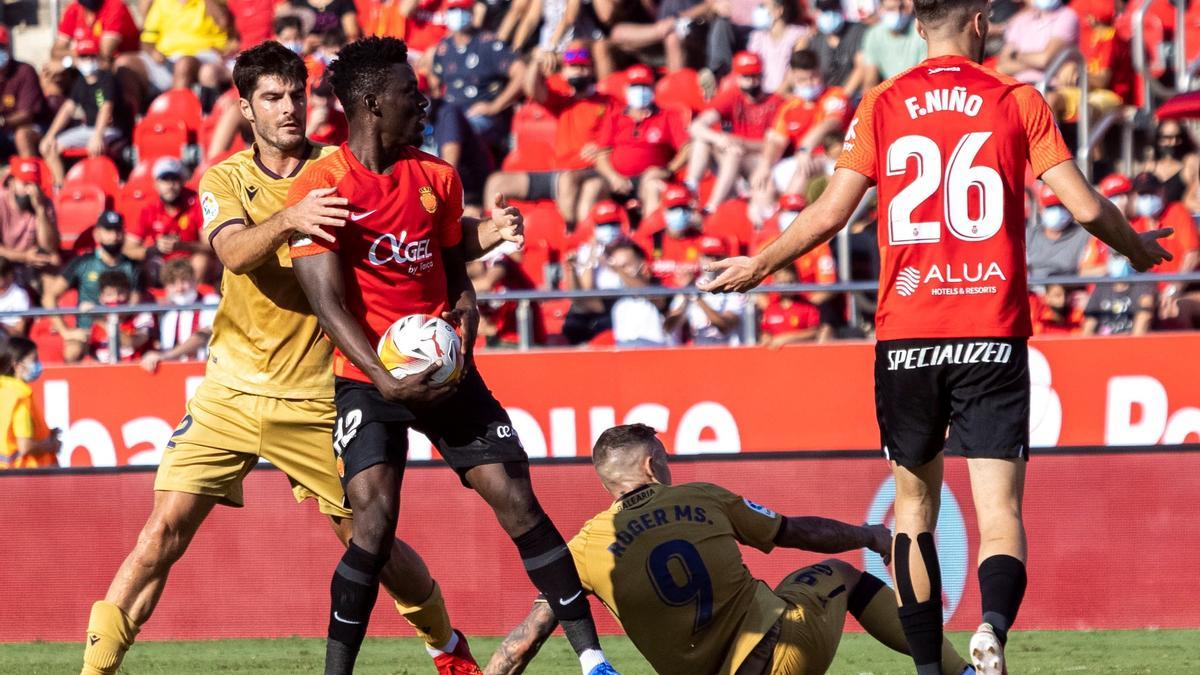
[
  {"x": 1101, "y": 100},
  {"x": 226, "y": 432},
  {"x": 811, "y": 626}
]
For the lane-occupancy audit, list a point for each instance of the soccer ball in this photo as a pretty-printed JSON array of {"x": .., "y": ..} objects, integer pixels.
[{"x": 412, "y": 343}]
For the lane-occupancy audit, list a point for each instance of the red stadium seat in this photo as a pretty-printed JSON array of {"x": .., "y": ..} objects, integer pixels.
[
  {"x": 533, "y": 130},
  {"x": 156, "y": 137},
  {"x": 78, "y": 207},
  {"x": 614, "y": 85},
  {"x": 554, "y": 314},
  {"x": 182, "y": 105},
  {"x": 730, "y": 221},
  {"x": 49, "y": 343},
  {"x": 98, "y": 171},
  {"x": 136, "y": 194},
  {"x": 681, "y": 89}
]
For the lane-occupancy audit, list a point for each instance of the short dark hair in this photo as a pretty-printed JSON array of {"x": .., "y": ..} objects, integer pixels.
[
  {"x": 624, "y": 437},
  {"x": 935, "y": 12},
  {"x": 285, "y": 22},
  {"x": 268, "y": 59},
  {"x": 805, "y": 59},
  {"x": 14, "y": 350},
  {"x": 793, "y": 14},
  {"x": 630, "y": 245},
  {"x": 115, "y": 279},
  {"x": 363, "y": 66}
]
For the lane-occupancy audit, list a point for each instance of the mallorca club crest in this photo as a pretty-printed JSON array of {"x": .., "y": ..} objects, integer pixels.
[{"x": 428, "y": 200}]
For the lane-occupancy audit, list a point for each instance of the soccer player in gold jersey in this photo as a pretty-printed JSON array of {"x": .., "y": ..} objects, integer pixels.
[
  {"x": 268, "y": 388},
  {"x": 665, "y": 561}
]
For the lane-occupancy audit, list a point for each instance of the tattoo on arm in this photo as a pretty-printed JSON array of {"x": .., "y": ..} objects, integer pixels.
[{"x": 524, "y": 642}]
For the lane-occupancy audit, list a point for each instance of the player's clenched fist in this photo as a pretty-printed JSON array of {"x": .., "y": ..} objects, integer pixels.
[
  {"x": 881, "y": 541},
  {"x": 319, "y": 208},
  {"x": 733, "y": 275},
  {"x": 508, "y": 221}
]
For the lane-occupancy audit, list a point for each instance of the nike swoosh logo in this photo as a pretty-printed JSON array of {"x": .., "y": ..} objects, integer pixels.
[
  {"x": 359, "y": 216},
  {"x": 567, "y": 601},
  {"x": 352, "y": 623}
]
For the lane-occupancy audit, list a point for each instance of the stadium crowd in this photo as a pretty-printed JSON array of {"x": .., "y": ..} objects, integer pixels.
[{"x": 640, "y": 138}]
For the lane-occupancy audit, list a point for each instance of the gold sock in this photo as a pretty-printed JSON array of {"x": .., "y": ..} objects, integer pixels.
[
  {"x": 429, "y": 619},
  {"x": 110, "y": 633},
  {"x": 880, "y": 619}
]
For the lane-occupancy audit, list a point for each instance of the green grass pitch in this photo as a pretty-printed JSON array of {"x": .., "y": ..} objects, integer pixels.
[{"x": 1164, "y": 652}]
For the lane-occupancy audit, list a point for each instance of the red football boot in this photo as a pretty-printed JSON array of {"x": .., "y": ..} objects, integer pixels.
[{"x": 458, "y": 662}]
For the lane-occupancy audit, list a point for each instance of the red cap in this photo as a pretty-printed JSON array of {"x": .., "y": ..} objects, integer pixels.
[
  {"x": 460, "y": 4},
  {"x": 28, "y": 170},
  {"x": 1115, "y": 184},
  {"x": 4, "y": 35},
  {"x": 606, "y": 212},
  {"x": 714, "y": 246},
  {"x": 677, "y": 195},
  {"x": 747, "y": 63},
  {"x": 793, "y": 202},
  {"x": 640, "y": 74},
  {"x": 1046, "y": 197},
  {"x": 87, "y": 47}
]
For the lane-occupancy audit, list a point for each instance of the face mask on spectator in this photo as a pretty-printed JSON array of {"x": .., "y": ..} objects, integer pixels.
[
  {"x": 1047, "y": 5},
  {"x": 786, "y": 218},
  {"x": 639, "y": 96},
  {"x": 830, "y": 22},
  {"x": 897, "y": 22},
  {"x": 113, "y": 249},
  {"x": 582, "y": 84},
  {"x": 1148, "y": 205},
  {"x": 34, "y": 372},
  {"x": 1171, "y": 150},
  {"x": 808, "y": 92},
  {"x": 87, "y": 66},
  {"x": 607, "y": 233},
  {"x": 678, "y": 219},
  {"x": 1056, "y": 218},
  {"x": 761, "y": 18},
  {"x": 25, "y": 203},
  {"x": 458, "y": 20},
  {"x": 753, "y": 91},
  {"x": 1118, "y": 265}
]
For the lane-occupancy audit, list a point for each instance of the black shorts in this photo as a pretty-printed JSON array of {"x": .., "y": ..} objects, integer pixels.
[
  {"x": 469, "y": 429},
  {"x": 543, "y": 185},
  {"x": 978, "y": 388}
]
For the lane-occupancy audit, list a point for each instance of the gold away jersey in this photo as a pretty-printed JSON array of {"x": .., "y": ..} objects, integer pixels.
[
  {"x": 265, "y": 338},
  {"x": 665, "y": 561}
]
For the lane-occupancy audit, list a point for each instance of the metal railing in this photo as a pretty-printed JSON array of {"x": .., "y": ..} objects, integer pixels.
[
  {"x": 1124, "y": 117},
  {"x": 1064, "y": 56},
  {"x": 526, "y": 299}
]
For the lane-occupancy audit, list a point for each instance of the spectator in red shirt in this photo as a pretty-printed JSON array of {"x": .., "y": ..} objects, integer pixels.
[
  {"x": 574, "y": 184},
  {"x": 1054, "y": 314},
  {"x": 709, "y": 318},
  {"x": 1154, "y": 213},
  {"x": 107, "y": 21},
  {"x": 22, "y": 104},
  {"x": 169, "y": 228},
  {"x": 642, "y": 146},
  {"x": 787, "y": 318},
  {"x": 800, "y": 125},
  {"x": 182, "y": 334},
  {"x": 134, "y": 329},
  {"x": 744, "y": 113},
  {"x": 671, "y": 238},
  {"x": 252, "y": 20}
]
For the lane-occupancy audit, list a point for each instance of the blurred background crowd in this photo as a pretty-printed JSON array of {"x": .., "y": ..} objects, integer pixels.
[{"x": 641, "y": 138}]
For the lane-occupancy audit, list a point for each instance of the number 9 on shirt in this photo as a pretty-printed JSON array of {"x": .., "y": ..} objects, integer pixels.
[{"x": 414, "y": 342}]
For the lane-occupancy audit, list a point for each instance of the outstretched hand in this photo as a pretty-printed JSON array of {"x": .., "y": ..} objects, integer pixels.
[
  {"x": 509, "y": 222},
  {"x": 733, "y": 275},
  {"x": 1152, "y": 252}
]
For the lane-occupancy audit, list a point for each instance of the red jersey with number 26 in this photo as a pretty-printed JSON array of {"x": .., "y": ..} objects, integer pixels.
[
  {"x": 948, "y": 143},
  {"x": 391, "y": 246}
]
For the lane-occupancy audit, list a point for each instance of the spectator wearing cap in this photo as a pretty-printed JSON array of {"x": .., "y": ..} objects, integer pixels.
[
  {"x": 23, "y": 109},
  {"x": 83, "y": 274},
  {"x": 29, "y": 237},
  {"x": 671, "y": 238},
  {"x": 182, "y": 334},
  {"x": 1178, "y": 301},
  {"x": 814, "y": 112},
  {"x": 178, "y": 36},
  {"x": 836, "y": 45},
  {"x": 13, "y": 298},
  {"x": 169, "y": 228},
  {"x": 892, "y": 45},
  {"x": 787, "y": 317},
  {"x": 573, "y": 184},
  {"x": 636, "y": 321},
  {"x": 134, "y": 331},
  {"x": 474, "y": 80},
  {"x": 96, "y": 98},
  {"x": 1119, "y": 190},
  {"x": 586, "y": 269},
  {"x": 744, "y": 114},
  {"x": 815, "y": 267},
  {"x": 1056, "y": 245},
  {"x": 709, "y": 318},
  {"x": 641, "y": 145},
  {"x": 779, "y": 30},
  {"x": 1034, "y": 36}
]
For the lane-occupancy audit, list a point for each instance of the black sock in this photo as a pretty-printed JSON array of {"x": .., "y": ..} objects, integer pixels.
[
  {"x": 1002, "y": 583},
  {"x": 552, "y": 570},
  {"x": 922, "y": 621},
  {"x": 353, "y": 591}
]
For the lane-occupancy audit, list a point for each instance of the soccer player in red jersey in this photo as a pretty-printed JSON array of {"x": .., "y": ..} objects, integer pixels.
[
  {"x": 401, "y": 253},
  {"x": 947, "y": 142}
]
